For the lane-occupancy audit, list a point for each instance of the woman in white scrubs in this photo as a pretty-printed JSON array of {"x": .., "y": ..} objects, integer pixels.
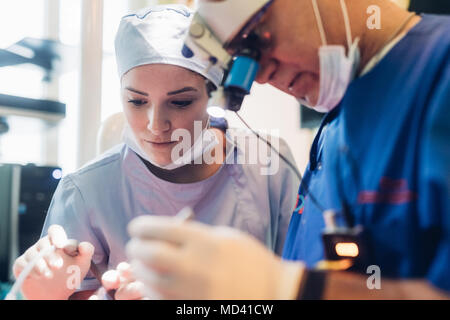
[{"x": 162, "y": 91}]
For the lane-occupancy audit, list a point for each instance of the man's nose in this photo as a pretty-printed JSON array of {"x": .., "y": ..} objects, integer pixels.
[
  {"x": 267, "y": 70},
  {"x": 158, "y": 122}
]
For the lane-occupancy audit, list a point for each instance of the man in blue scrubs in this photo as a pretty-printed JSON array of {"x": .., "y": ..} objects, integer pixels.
[{"x": 382, "y": 155}]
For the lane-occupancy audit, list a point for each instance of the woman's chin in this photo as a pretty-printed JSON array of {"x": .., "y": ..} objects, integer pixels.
[{"x": 158, "y": 161}]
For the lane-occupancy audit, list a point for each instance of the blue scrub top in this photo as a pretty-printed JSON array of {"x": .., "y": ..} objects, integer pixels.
[{"x": 385, "y": 152}]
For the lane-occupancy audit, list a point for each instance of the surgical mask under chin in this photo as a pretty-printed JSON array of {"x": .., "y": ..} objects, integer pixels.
[
  {"x": 204, "y": 143},
  {"x": 336, "y": 69}
]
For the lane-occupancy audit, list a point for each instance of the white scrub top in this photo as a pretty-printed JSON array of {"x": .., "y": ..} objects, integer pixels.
[{"x": 97, "y": 202}]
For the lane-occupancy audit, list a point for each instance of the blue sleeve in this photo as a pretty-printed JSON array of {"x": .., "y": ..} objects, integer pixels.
[
  {"x": 68, "y": 210},
  {"x": 434, "y": 175},
  {"x": 289, "y": 184}
]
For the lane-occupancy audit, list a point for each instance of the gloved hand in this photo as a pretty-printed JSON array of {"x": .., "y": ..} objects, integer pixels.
[
  {"x": 123, "y": 281},
  {"x": 190, "y": 260},
  {"x": 49, "y": 278}
]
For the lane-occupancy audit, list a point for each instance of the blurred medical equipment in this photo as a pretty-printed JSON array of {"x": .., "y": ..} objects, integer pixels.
[
  {"x": 51, "y": 56},
  {"x": 12, "y": 107},
  {"x": 25, "y": 195},
  {"x": 4, "y": 127},
  {"x": 40, "y": 116},
  {"x": 28, "y": 130}
]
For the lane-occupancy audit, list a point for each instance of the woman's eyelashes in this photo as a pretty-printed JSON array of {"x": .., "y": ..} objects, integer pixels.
[
  {"x": 137, "y": 102},
  {"x": 181, "y": 104}
]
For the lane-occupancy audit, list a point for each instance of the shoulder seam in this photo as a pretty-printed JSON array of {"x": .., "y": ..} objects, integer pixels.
[
  {"x": 105, "y": 161},
  {"x": 69, "y": 179}
]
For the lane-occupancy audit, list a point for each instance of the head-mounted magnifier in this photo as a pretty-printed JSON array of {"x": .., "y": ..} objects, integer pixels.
[{"x": 224, "y": 32}]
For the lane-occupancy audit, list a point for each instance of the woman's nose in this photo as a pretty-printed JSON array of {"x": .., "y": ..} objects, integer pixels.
[{"x": 157, "y": 121}]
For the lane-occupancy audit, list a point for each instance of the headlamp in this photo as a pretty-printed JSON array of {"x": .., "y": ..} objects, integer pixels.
[{"x": 237, "y": 52}]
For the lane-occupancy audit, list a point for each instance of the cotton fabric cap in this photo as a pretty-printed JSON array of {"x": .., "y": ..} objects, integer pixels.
[{"x": 156, "y": 35}]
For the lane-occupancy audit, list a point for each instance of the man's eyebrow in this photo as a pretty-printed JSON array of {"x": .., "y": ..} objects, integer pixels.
[
  {"x": 137, "y": 91},
  {"x": 185, "y": 89}
]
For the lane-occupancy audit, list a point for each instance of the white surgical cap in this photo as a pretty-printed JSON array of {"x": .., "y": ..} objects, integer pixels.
[{"x": 156, "y": 35}]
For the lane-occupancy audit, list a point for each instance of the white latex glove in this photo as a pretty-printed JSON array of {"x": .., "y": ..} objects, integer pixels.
[
  {"x": 123, "y": 281},
  {"x": 190, "y": 260},
  {"x": 49, "y": 278}
]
